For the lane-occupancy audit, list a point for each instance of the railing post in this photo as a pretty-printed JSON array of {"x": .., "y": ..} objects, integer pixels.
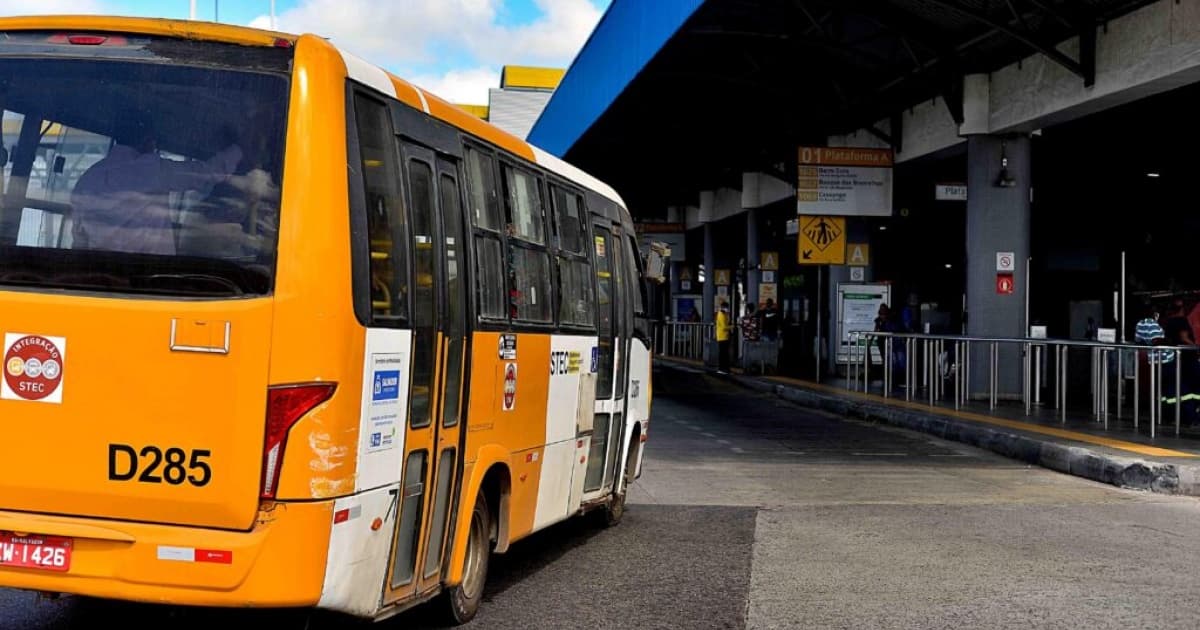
[
  {"x": 887, "y": 366},
  {"x": 958, "y": 370},
  {"x": 1027, "y": 377},
  {"x": 992, "y": 375},
  {"x": 908, "y": 362},
  {"x": 1154, "y": 398},
  {"x": 1178, "y": 388},
  {"x": 1137, "y": 391}
]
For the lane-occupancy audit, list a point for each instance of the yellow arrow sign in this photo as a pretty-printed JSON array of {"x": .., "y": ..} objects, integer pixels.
[{"x": 822, "y": 240}]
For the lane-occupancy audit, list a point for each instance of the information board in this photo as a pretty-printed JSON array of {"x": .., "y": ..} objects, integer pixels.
[{"x": 857, "y": 308}]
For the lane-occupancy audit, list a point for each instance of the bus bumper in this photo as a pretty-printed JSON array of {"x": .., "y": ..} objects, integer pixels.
[{"x": 278, "y": 563}]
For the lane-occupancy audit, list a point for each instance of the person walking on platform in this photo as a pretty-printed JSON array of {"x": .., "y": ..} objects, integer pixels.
[
  {"x": 1178, "y": 332},
  {"x": 723, "y": 328}
]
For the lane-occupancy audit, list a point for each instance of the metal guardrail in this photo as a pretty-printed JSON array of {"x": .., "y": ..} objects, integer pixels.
[
  {"x": 934, "y": 368},
  {"x": 684, "y": 340}
]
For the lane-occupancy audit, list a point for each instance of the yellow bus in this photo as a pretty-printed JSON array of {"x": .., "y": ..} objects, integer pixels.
[{"x": 281, "y": 329}]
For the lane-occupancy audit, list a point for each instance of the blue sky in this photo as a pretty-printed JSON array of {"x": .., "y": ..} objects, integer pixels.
[{"x": 454, "y": 48}]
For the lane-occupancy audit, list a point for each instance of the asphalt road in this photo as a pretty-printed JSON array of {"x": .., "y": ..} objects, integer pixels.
[{"x": 752, "y": 513}]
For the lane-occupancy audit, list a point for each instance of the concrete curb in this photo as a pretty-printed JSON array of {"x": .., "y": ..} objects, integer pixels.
[{"x": 1080, "y": 461}]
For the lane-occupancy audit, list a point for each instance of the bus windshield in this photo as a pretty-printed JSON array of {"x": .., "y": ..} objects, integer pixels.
[{"x": 135, "y": 171}]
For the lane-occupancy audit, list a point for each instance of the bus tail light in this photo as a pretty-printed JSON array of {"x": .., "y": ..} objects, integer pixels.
[{"x": 286, "y": 404}]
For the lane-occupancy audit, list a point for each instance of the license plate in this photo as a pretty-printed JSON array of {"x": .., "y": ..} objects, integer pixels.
[{"x": 48, "y": 553}]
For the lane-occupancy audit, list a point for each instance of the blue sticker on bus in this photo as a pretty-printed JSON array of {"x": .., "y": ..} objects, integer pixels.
[
  {"x": 595, "y": 359},
  {"x": 376, "y": 439},
  {"x": 387, "y": 385}
]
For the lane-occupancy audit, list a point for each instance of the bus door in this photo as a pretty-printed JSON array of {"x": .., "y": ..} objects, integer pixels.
[
  {"x": 610, "y": 377},
  {"x": 431, "y": 462}
]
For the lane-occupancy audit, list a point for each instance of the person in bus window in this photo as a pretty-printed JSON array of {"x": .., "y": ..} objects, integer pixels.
[{"x": 122, "y": 204}]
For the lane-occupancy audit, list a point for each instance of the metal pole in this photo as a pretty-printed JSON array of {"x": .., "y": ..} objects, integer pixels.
[
  {"x": 887, "y": 366},
  {"x": 1154, "y": 410},
  {"x": 272, "y": 14},
  {"x": 1037, "y": 374},
  {"x": 1178, "y": 390},
  {"x": 817, "y": 349},
  {"x": 930, "y": 366},
  {"x": 1137, "y": 392},
  {"x": 192, "y": 10},
  {"x": 1063, "y": 380},
  {"x": 1120, "y": 382},
  {"x": 1028, "y": 260},
  {"x": 1104, "y": 393},
  {"x": 958, "y": 369},
  {"x": 966, "y": 372},
  {"x": 908, "y": 379},
  {"x": 1027, "y": 378},
  {"x": 992, "y": 376},
  {"x": 1121, "y": 319}
]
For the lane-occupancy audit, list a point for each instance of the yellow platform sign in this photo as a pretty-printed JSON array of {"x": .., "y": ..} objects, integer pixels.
[
  {"x": 859, "y": 254},
  {"x": 822, "y": 240}
]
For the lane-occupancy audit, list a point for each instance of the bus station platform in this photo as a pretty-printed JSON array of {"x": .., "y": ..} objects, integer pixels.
[{"x": 1079, "y": 445}]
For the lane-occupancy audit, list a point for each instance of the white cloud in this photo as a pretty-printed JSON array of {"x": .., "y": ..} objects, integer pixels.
[
  {"x": 389, "y": 32},
  {"x": 460, "y": 86},
  {"x": 412, "y": 35},
  {"x": 555, "y": 38},
  {"x": 50, "y": 7}
]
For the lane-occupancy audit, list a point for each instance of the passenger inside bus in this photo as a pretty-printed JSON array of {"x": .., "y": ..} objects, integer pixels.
[{"x": 122, "y": 203}]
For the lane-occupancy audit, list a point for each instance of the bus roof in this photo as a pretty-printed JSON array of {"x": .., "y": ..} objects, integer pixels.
[
  {"x": 187, "y": 29},
  {"x": 357, "y": 69}
]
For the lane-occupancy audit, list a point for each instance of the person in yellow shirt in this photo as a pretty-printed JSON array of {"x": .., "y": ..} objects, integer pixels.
[{"x": 723, "y": 329}]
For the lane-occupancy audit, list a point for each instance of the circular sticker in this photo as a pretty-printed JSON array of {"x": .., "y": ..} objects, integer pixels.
[
  {"x": 33, "y": 367},
  {"x": 510, "y": 385}
]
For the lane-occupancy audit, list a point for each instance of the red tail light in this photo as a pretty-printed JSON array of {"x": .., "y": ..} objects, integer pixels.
[
  {"x": 286, "y": 404},
  {"x": 86, "y": 40}
]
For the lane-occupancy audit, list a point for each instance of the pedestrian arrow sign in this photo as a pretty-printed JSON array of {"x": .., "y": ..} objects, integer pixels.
[{"x": 822, "y": 240}]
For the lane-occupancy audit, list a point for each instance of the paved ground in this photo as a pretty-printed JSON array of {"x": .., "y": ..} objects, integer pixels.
[{"x": 752, "y": 513}]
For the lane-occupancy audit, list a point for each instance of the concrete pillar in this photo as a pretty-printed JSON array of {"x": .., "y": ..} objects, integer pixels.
[
  {"x": 710, "y": 262},
  {"x": 997, "y": 221},
  {"x": 752, "y": 272}
]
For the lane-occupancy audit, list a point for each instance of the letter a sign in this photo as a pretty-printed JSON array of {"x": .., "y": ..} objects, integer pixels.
[{"x": 858, "y": 254}]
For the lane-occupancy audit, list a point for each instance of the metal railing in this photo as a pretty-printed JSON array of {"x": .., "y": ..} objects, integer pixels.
[
  {"x": 943, "y": 361},
  {"x": 684, "y": 340}
]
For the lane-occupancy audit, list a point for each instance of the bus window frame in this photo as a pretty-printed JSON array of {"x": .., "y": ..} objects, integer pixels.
[
  {"x": 585, "y": 256},
  {"x": 476, "y": 316},
  {"x": 360, "y": 248},
  {"x": 547, "y": 247}
]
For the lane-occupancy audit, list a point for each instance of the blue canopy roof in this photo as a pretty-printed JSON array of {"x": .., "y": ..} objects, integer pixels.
[{"x": 628, "y": 36}]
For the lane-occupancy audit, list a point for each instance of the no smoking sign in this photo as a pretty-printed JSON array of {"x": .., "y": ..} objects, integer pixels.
[{"x": 1006, "y": 262}]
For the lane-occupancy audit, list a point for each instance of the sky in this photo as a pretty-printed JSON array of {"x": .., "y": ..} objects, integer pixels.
[{"x": 453, "y": 48}]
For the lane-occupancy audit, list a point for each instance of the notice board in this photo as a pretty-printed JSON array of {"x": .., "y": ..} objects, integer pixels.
[{"x": 857, "y": 308}]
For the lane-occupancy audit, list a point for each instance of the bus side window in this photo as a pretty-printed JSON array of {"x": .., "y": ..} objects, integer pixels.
[
  {"x": 386, "y": 224},
  {"x": 529, "y": 269},
  {"x": 489, "y": 247},
  {"x": 636, "y": 277},
  {"x": 577, "y": 302}
]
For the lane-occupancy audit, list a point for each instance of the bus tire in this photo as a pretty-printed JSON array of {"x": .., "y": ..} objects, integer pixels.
[
  {"x": 461, "y": 602},
  {"x": 615, "y": 510}
]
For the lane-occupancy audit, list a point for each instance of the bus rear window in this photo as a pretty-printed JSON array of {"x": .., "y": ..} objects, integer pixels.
[{"x": 139, "y": 176}]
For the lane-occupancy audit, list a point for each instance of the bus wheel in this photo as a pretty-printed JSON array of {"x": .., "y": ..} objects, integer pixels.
[
  {"x": 462, "y": 602},
  {"x": 616, "y": 506}
]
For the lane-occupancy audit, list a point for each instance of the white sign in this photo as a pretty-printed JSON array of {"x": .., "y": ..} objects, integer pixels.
[
  {"x": 1037, "y": 332},
  {"x": 768, "y": 277},
  {"x": 1106, "y": 335},
  {"x": 858, "y": 274},
  {"x": 858, "y": 306},
  {"x": 1006, "y": 261},
  {"x": 950, "y": 192},
  {"x": 844, "y": 181}
]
